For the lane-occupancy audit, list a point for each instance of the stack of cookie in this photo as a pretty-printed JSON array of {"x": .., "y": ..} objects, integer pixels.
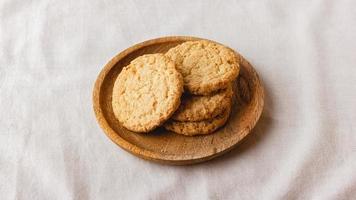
[{"x": 149, "y": 91}]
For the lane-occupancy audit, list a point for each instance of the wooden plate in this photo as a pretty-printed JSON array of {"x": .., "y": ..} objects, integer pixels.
[{"x": 167, "y": 147}]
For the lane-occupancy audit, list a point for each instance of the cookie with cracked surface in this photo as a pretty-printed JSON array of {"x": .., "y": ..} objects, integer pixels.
[
  {"x": 147, "y": 92},
  {"x": 206, "y": 66},
  {"x": 198, "y": 107},
  {"x": 200, "y": 127}
]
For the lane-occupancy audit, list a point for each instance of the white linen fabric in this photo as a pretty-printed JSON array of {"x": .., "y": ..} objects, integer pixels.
[{"x": 51, "y": 147}]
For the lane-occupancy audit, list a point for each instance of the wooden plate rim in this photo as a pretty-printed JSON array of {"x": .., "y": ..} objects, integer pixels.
[{"x": 134, "y": 149}]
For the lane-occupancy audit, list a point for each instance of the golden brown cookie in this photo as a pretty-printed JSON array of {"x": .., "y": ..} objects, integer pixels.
[
  {"x": 198, "y": 128},
  {"x": 147, "y": 92},
  {"x": 206, "y": 66},
  {"x": 198, "y": 107}
]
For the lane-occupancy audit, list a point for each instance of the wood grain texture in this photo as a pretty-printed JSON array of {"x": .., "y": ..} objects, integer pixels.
[{"x": 166, "y": 147}]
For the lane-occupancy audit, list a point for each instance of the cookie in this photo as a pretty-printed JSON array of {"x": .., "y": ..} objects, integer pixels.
[
  {"x": 147, "y": 92},
  {"x": 198, "y": 108},
  {"x": 206, "y": 66},
  {"x": 198, "y": 128}
]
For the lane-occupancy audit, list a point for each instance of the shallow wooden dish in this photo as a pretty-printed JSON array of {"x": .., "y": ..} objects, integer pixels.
[{"x": 167, "y": 147}]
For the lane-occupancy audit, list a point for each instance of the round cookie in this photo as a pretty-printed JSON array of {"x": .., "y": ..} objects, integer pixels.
[
  {"x": 198, "y": 128},
  {"x": 206, "y": 66},
  {"x": 198, "y": 108},
  {"x": 147, "y": 92}
]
